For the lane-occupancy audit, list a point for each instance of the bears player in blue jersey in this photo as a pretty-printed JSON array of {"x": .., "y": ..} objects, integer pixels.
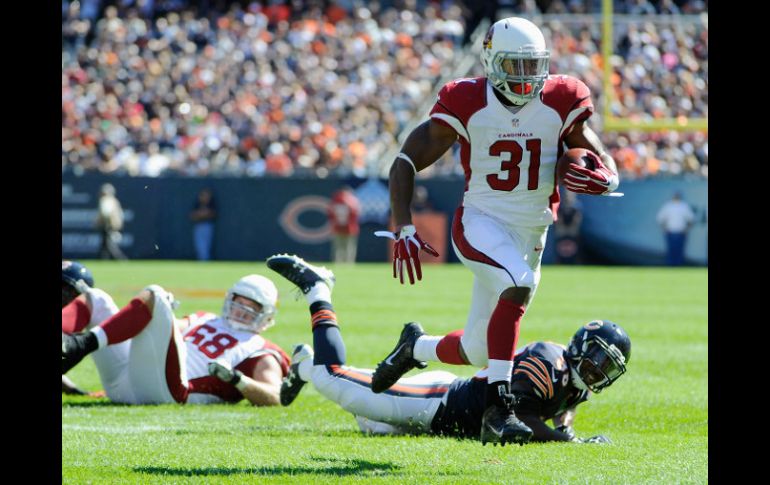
[{"x": 548, "y": 379}]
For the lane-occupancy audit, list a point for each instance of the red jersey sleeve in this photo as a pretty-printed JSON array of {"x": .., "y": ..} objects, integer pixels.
[
  {"x": 457, "y": 101},
  {"x": 569, "y": 97}
]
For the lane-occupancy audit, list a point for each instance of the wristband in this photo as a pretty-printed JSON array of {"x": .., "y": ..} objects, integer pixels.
[
  {"x": 241, "y": 384},
  {"x": 236, "y": 377}
]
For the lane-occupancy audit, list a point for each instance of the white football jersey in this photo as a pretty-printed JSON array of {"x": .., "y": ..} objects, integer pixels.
[
  {"x": 509, "y": 159},
  {"x": 208, "y": 339},
  {"x": 102, "y": 306}
]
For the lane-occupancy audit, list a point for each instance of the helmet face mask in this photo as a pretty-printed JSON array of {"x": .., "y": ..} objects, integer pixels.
[
  {"x": 519, "y": 76},
  {"x": 598, "y": 368},
  {"x": 242, "y": 317},
  {"x": 515, "y": 59},
  {"x": 598, "y": 354}
]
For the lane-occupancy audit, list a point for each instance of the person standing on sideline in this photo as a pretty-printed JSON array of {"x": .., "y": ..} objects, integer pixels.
[
  {"x": 343, "y": 212},
  {"x": 676, "y": 218},
  {"x": 109, "y": 222},
  {"x": 203, "y": 216}
]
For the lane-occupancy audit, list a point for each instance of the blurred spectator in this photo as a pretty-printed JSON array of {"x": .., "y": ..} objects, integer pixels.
[
  {"x": 476, "y": 11},
  {"x": 567, "y": 229},
  {"x": 528, "y": 8},
  {"x": 640, "y": 7},
  {"x": 675, "y": 217},
  {"x": 203, "y": 216},
  {"x": 668, "y": 7},
  {"x": 421, "y": 200},
  {"x": 343, "y": 213},
  {"x": 109, "y": 222}
]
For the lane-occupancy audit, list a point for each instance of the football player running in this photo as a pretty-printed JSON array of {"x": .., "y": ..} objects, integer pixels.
[
  {"x": 145, "y": 355},
  {"x": 549, "y": 380},
  {"x": 512, "y": 126}
]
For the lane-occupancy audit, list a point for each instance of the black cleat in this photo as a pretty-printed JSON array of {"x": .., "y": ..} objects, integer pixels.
[
  {"x": 292, "y": 383},
  {"x": 75, "y": 347},
  {"x": 300, "y": 272},
  {"x": 500, "y": 425},
  {"x": 400, "y": 361}
]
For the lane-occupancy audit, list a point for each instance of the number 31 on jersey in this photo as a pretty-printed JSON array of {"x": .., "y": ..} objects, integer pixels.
[{"x": 510, "y": 164}]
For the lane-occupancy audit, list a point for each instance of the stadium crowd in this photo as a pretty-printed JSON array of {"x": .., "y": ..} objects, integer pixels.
[
  {"x": 313, "y": 88},
  {"x": 250, "y": 91}
]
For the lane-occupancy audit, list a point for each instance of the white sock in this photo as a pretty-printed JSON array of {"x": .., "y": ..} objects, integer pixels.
[
  {"x": 101, "y": 337},
  {"x": 425, "y": 348},
  {"x": 305, "y": 369},
  {"x": 499, "y": 370},
  {"x": 319, "y": 292}
]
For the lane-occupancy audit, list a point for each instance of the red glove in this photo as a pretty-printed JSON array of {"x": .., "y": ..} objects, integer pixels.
[
  {"x": 598, "y": 181},
  {"x": 406, "y": 252}
]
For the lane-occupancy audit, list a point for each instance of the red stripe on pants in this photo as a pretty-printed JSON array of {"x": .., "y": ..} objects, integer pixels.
[
  {"x": 173, "y": 373},
  {"x": 465, "y": 247}
]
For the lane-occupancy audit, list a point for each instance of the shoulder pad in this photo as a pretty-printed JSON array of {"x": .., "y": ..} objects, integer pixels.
[{"x": 565, "y": 94}]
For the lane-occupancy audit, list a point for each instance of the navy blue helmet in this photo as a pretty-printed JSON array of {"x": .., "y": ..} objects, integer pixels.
[
  {"x": 598, "y": 354},
  {"x": 76, "y": 275}
]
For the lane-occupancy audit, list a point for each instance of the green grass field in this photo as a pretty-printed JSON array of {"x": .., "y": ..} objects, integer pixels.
[{"x": 656, "y": 414}]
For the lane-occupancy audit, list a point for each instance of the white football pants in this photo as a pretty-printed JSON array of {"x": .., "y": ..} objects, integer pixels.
[
  {"x": 142, "y": 369},
  {"x": 500, "y": 257},
  {"x": 407, "y": 407}
]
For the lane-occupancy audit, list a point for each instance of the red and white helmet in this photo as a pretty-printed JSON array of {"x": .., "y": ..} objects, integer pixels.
[
  {"x": 241, "y": 317},
  {"x": 515, "y": 59}
]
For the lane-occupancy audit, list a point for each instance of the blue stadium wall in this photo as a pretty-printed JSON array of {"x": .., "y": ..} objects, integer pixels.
[{"x": 259, "y": 217}]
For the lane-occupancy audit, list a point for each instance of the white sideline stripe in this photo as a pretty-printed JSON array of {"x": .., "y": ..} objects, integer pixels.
[
  {"x": 138, "y": 429},
  {"x": 181, "y": 425},
  {"x": 120, "y": 429}
]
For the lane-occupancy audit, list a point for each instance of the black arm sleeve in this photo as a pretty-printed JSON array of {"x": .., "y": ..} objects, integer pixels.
[
  {"x": 528, "y": 402},
  {"x": 540, "y": 430}
]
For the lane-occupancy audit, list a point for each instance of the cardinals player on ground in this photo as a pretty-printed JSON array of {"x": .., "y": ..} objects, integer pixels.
[
  {"x": 512, "y": 126},
  {"x": 145, "y": 355}
]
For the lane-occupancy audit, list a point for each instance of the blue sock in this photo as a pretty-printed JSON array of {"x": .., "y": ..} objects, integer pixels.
[{"x": 327, "y": 340}]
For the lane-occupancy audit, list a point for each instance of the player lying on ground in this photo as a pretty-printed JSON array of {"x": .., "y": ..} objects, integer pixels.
[
  {"x": 145, "y": 355},
  {"x": 549, "y": 380}
]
